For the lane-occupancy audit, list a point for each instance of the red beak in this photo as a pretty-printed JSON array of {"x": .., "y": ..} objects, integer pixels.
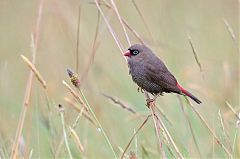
[{"x": 127, "y": 53}]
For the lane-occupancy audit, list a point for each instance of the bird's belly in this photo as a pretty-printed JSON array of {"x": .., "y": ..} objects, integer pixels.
[{"x": 141, "y": 80}]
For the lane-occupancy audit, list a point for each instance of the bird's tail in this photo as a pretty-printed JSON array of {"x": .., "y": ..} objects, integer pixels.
[{"x": 189, "y": 94}]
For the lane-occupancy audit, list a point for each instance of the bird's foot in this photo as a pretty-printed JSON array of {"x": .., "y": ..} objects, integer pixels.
[
  {"x": 140, "y": 89},
  {"x": 150, "y": 101}
]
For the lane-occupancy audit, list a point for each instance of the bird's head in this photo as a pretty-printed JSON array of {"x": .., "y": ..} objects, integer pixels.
[{"x": 137, "y": 51}]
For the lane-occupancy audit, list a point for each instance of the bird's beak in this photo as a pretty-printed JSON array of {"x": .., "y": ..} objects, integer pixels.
[{"x": 127, "y": 53}]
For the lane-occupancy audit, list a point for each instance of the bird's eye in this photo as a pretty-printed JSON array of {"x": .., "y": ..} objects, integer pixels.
[{"x": 135, "y": 52}]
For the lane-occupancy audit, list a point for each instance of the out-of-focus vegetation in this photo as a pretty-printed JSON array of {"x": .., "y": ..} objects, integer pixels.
[{"x": 166, "y": 28}]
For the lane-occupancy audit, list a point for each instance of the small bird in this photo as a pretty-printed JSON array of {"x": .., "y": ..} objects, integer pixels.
[{"x": 151, "y": 74}]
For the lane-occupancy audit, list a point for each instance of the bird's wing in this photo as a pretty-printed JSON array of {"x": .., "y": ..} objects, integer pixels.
[{"x": 158, "y": 73}]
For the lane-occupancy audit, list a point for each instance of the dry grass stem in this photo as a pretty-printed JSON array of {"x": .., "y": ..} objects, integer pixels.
[
  {"x": 129, "y": 143},
  {"x": 225, "y": 135},
  {"x": 194, "y": 52},
  {"x": 164, "y": 128},
  {"x": 84, "y": 113},
  {"x": 190, "y": 126},
  {"x": 98, "y": 123},
  {"x": 160, "y": 111},
  {"x": 234, "y": 112},
  {"x": 137, "y": 36},
  {"x": 109, "y": 27},
  {"x": 75, "y": 95},
  {"x": 121, "y": 22},
  {"x": 35, "y": 71},
  {"x": 58, "y": 150},
  {"x": 94, "y": 50},
  {"x": 211, "y": 131},
  {"x": 229, "y": 28},
  {"x": 141, "y": 16},
  {"x": 34, "y": 42},
  {"x": 61, "y": 110},
  {"x": 157, "y": 128},
  {"x": 119, "y": 102},
  {"x": 77, "y": 140},
  {"x": 78, "y": 34}
]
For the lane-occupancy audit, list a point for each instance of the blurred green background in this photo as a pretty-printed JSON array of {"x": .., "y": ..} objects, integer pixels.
[{"x": 170, "y": 23}]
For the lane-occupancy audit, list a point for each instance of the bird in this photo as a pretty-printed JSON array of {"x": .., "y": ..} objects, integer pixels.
[{"x": 151, "y": 74}]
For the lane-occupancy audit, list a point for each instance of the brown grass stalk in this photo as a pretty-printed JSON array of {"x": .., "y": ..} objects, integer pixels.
[
  {"x": 75, "y": 95},
  {"x": 169, "y": 137},
  {"x": 58, "y": 150},
  {"x": 211, "y": 131},
  {"x": 76, "y": 107},
  {"x": 109, "y": 27},
  {"x": 35, "y": 71},
  {"x": 157, "y": 128},
  {"x": 230, "y": 30},
  {"x": 141, "y": 16},
  {"x": 77, "y": 140},
  {"x": 136, "y": 132},
  {"x": 234, "y": 111},
  {"x": 194, "y": 53},
  {"x": 94, "y": 50},
  {"x": 34, "y": 42},
  {"x": 225, "y": 134},
  {"x": 78, "y": 34},
  {"x": 137, "y": 36},
  {"x": 120, "y": 103},
  {"x": 121, "y": 22},
  {"x": 190, "y": 126}
]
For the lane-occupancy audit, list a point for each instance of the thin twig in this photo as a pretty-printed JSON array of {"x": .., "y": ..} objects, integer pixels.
[{"x": 136, "y": 132}]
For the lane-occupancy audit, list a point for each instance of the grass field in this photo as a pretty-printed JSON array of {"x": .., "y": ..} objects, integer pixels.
[{"x": 40, "y": 40}]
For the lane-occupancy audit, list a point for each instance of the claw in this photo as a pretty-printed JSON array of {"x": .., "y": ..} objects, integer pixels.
[{"x": 140, "y": 89}]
